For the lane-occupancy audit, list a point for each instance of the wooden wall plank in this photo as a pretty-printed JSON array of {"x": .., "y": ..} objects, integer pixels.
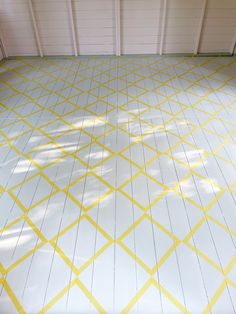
[
  {"x": 95, "y": 26},
  {"x": 219, "y": 27},
  {"x": 181, "y": 26},
  {"x": 16, "y": 26},
  {"x": 140, "y": 26}
]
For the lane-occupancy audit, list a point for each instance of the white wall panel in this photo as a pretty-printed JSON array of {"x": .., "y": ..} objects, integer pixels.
[
  {"x": 140, "y": 26},
  {"x": 219, "y": 26},
  {"x": 54, "y": 26},
  {"x": 94, "y": 21},
  {"x": 182, "y": 23},
  {"x": 16, "y": 28}
]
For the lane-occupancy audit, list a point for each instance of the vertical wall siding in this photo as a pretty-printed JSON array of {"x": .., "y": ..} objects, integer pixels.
[
  {"x": 219, "y": 26},
  {"x": 94, "y": 20},
  {"x": 16, "y": 28},
  {"x": 140, "y": 26},
  {"x": 1, "y": 48}
]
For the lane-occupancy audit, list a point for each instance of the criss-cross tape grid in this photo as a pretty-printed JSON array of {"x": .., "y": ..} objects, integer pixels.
[{"x": 106, "y": 159}]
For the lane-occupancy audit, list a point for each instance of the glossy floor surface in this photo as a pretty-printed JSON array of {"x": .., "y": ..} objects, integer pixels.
[{"x": 118, "y": 185}]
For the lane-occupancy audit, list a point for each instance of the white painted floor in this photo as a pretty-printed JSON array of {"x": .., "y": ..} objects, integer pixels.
[{"x": 118, "y": 185}]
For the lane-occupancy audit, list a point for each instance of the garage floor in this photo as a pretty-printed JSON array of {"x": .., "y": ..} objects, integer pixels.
[{"x": 118, "y": 185}]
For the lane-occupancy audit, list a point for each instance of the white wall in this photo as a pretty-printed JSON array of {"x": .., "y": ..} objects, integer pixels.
[
  {"x": 182, "y": 22},
  {"x": 53, "y": 26},
  {"x": 94, "y": 20},
  {"x": 16, "y": 28},
  {"x": 140, "y": 26},
  {"x": 95, "y": 27},
  {"x": 219, "y": 26}
]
